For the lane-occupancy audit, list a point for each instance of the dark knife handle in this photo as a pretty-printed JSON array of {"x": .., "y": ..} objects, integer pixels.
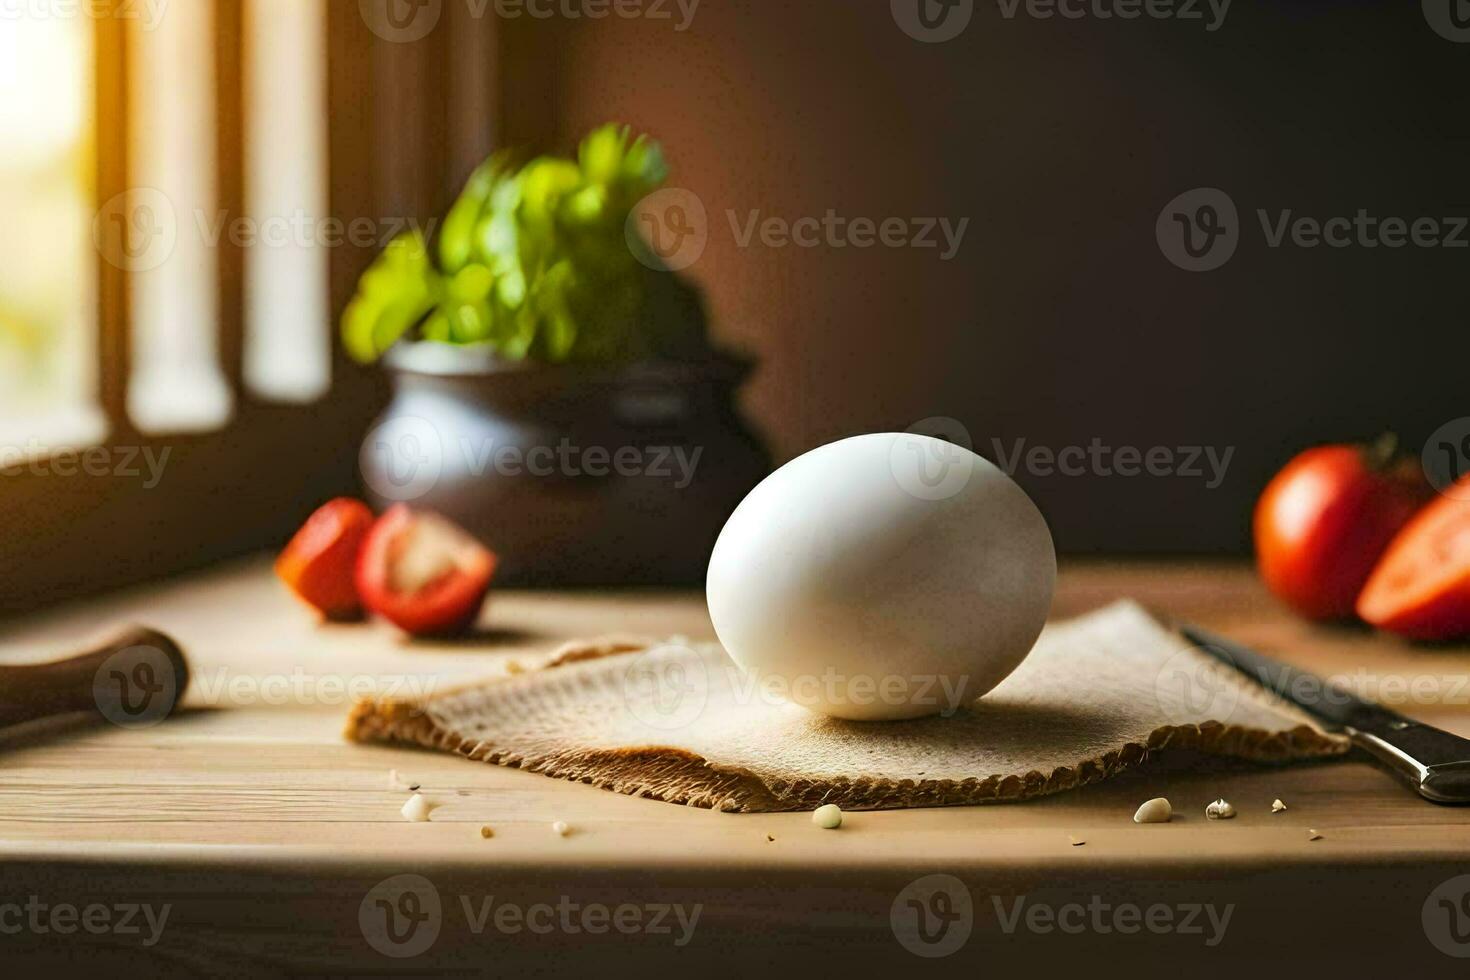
[
  {"x": 134, "y": 678},
  {"x": 1435, "y": 762}
]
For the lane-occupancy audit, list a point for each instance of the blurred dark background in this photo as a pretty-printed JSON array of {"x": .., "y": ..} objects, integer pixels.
[{"x": 1059, "y": 320}]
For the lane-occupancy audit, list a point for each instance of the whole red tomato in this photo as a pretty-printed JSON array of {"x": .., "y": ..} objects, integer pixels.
[{"x": 1324, "y": 521}]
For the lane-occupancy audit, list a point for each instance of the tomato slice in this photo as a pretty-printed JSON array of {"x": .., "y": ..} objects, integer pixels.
[
  {"x": 318, "y": 565},
  {"x": 1421, "y": 588},
  {"x": 423, "y": 573}
]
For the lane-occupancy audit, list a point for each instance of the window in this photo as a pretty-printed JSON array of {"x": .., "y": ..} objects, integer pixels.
[
  {"x": 48, "y": 337},
  {"x": 172, "y": 177}
]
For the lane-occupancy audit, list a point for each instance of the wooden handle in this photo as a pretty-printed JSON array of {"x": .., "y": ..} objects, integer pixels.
[{"x": 135, "y": 678}]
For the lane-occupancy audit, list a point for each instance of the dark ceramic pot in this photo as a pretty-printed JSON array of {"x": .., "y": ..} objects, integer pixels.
[{"x": 574, "y": 475}]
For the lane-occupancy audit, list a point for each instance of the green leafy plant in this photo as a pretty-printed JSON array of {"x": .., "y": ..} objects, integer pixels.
[{"x": 533, "y": 262}]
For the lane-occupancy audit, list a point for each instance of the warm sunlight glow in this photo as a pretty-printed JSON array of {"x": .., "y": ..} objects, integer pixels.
[
  {"x": 47, "y": 263},
  {"x": 44, "y": 105}
]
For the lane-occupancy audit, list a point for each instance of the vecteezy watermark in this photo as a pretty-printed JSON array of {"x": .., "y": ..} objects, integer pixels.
[
  {"x": 1098, "y": 916},
  {"x": 301, "y": 230},
  {"x": 1446, "y": 458},
  {"x": 403, "y": 916},
  {"x": 669, "y": 686},
  {"x": 1200, "y": 230},
  {"x": 1206, "y": 463},
  {"x": 941, "y": 466},
  {"x": 1446, "y": 917},
  {"x": 670, "y": 230},
  {"x": 1450, "y": 19},
  {"x": 679, "y": 13},
  {"x": 148, "y": 13},
  {"x": 405, "y": 457},
  {"x": 1211, "y": 13},
  {"x": 933, "y": 459},
  {"x": 406, "y": 21},
  {"x": 1193, "y": 686},
  {"x": 937, "y": 21},
  {"x": 934, "y": 917},
  {"x": 835, "y": 231},
  {"x": 145, "y": 464},
  {"x": 136, "y": 687},
  {"x": 1340, "y": 690},
  {"x": 126, "y": 919},
  {"x": 138, "y": 230},
  {"x": 224, "y": 687},
  {"x": 932, "y": 21}
]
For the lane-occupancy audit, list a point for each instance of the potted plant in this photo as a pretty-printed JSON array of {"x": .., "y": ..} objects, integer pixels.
[{"x": 555, "y": 393}]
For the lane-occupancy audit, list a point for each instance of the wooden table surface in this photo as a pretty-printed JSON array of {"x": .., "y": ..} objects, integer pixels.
[{"x": 264, "y": 829}]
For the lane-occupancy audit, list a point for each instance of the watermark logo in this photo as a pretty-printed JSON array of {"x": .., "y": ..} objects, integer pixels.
[
  {"x": 668, "y": 230},
  {"x": 136, "y": 687},
  {"x": 144, "y": 464},
  {"x": 406, "y": 21},
  {"x": 835, "y": 231},
  {"x": 1450, "y": 19},
  {"x": 933, "y": 460},
  {"x": 401, "y": 21},
  {"x": 593, "y": 10},
  {"x": 1446, "y": 458},
  {"x": 42, "y": 918},
  {"x": 666, "y": 687},
  {"x": 224, "y": 687},
  {"x": 938, "y": 470},
  {"x": 1211, "y": 13},
  {"x": 933, "y": 916},
  {"x": 149, "y": 13},
  {"x": 1193, "y": 686},
  {"x": 137, "y": 230},
  {"x": 301, "y": 230},
  {"x": 1199, "y": 230},
  {"x": 1100, "y": 917},
  {"x": 1208, "y": 464},
  {"x": 1446, "y": 917},
  {"x": 401, "y": 916},
  {"x": 402, "y": 459},
  {"x": 932, "y": 21}
]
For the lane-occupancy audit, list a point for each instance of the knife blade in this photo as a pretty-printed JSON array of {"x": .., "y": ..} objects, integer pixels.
[{"x": 1435, "y": 762}]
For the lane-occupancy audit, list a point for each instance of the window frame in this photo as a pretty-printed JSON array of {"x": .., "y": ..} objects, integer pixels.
[{"x": 244, "y": 487}]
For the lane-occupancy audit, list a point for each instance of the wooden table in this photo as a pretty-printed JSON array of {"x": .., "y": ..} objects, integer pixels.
[{"x": 264, "y": 832}]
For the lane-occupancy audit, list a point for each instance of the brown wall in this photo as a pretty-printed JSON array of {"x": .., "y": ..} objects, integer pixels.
[{"x": 1059, "y": 320}]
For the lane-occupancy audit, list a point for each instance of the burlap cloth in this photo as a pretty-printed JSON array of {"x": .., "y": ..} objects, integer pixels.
[{"x": 679, "y": 723}]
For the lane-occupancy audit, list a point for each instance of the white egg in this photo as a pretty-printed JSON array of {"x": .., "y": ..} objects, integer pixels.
[{"x": 882, "y": 577}]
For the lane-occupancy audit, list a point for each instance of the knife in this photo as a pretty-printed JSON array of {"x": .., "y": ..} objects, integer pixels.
[{"x": 1435, "y": 762}]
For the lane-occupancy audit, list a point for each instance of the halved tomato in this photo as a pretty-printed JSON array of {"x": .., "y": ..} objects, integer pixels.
[
  {"x": 424, "y": 573},
  {"x": 1421, "y": 588}
]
